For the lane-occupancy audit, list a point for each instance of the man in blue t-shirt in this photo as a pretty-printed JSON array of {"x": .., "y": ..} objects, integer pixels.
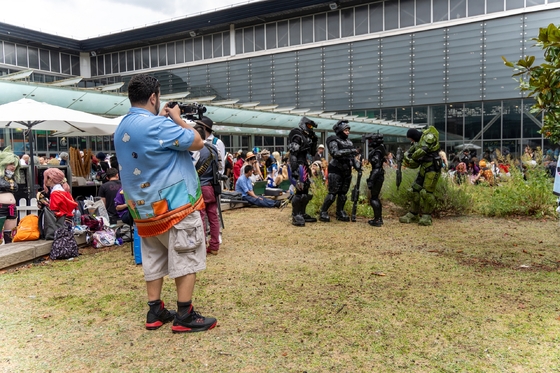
[{"x": 244, "y": 185}]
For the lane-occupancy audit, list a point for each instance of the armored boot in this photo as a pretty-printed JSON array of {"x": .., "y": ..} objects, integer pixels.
[
  {"x": 329, "y": 199},
  {"x": 340, "y": 213},
  {"x": 308, "y": 218},
  {"x": 377, "y": 220},
  {"x": 297, "y": 215},
  {"x": 425, "y": 220},
  {"x": 409, "y": 218}
]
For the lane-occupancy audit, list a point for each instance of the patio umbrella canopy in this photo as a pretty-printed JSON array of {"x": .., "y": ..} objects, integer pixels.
[{"x": 32, "y": 115}]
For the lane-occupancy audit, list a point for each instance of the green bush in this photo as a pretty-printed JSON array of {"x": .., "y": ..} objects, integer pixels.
[
  {"x": 528, "y": 194},
  {"x": 518, "y": 195}
]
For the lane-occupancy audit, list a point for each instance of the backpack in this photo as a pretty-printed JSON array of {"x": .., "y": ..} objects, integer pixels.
[
  {"x": 64, "y": 245},
  {"x": 27, "y": 229}
]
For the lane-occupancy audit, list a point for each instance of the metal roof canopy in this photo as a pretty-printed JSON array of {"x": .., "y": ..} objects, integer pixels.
[{"x": 230, "y": 116}]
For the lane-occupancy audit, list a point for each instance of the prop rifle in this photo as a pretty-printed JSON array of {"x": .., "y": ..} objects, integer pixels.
[
  {"x": 356, "y": 191},
  {"x": 400, "y": 156}
]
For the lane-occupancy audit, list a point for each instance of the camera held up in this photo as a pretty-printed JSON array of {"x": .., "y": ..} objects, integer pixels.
[{"x": 189, "y": 110}]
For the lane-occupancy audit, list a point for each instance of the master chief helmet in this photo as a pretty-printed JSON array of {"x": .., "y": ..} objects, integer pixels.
[
  {"x": 339, "y": 128},
  {"x": 307, "y": 125}
]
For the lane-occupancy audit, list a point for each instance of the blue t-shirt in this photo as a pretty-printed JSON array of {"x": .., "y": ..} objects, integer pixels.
[{"x": 156, "y": 170}]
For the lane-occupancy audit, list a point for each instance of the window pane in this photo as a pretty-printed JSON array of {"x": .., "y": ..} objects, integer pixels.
[
  {"x": 271, "y": 36},
  {"x": 21, "y": 55},
  {"x": 320, "y": 27},
  {"x": 282, "y": 34},
  {"x": 239, "y": 41},
  {"x": 259, "y": 38},
  {"x": 361, "y": 14},
  {"x": 1, "y": 54},
  {"x": 65, "y": 61},
  {"x": 476, "y": 7},
  {"x": 347, "y": 22},
  {"x": 536, "y": 2},
  {"x": 217, "y": 45},
  {"x": 179, "y": 52},
  {"x": 226, "y": 44},
  {"x": 100, "y": 64},
  {"x": 55, "y": 62},
  {"x": 10, "y": 53},
  {"x": 122, "y": 61},
  {"x": 44, "y": 58},
  {"x": 33, "y": 57},
  {"x": 115, "y": 61},
  {"x": 197, "y": 49},
  {"x": 93, "y": 63},
  {"x": 458, "y": 9},
  {"x": 376, "y": 17},
  {"x": 492, "y": 124},
  {"x": 171, "y": 53},
  {"x": 137, "y": 60},
  {"x": 189, "y": 50},
  {"x": 392, "y": 15},
  {"x": 407, "y": 13},
  {"x": 75, "y": 61},
  {"x": 154, "y": 56},
  {"x": 494, "y": 6},
  {"x": 248, "y": 42},
  {"x": 145, "y": 58},
  {"x": 207, "y": 44},
  {"x": 441, "y": 10},
  {"x": 333, "y": 23},
  {"x": 307, "y": 29},
  {"x": 162, "y": 54},
  {"x": 515, "y": 4},
  {"x": 423, "y": 11},
  {"x": 107, "y": 64},
  {"x": 295, "y": 32}
]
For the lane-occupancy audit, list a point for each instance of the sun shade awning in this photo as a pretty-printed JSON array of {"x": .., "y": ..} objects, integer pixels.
[{"x": 229, "y": 116}]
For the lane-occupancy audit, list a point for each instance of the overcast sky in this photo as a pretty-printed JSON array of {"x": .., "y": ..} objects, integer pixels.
[{"x": 82, "y": 19}]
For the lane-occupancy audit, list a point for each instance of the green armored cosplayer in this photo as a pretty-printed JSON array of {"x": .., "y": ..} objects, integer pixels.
[{"x": 423, "y": 154}]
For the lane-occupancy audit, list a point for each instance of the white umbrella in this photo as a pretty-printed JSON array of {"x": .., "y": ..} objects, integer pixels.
[
  {"x": 32, "y": 115},
  {"x": 467, "y": 146}
]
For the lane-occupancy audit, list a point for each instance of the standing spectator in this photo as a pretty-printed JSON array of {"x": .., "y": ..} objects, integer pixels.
[
  {"x": 206, "y": 168},
  {"x": 320, "y": 155},
  {"x": 9, "y": 169},
  {"x": 237, "y": 167},
  {"x": 102, "y": 157},
  {"x": 207, "y": 123},
  {"x": 228, "y": 171},
  {"x": 61, "y": 201},
  {"x": 108, "y": 191},
  {"x": 165, "y": 199}
]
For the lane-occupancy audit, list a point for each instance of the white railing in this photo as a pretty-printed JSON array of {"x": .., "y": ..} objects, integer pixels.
[{"x": 24, "y": 209}]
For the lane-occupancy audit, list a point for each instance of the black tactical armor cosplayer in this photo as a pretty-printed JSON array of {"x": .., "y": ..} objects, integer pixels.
[
  {"x": 343, "y": 154},
  {"x": 301, "y": 141},
  {"x": 376, "y": 158}
]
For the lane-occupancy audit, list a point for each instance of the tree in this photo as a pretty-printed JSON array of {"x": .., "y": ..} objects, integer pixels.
[{"x": 543, "y": 81}]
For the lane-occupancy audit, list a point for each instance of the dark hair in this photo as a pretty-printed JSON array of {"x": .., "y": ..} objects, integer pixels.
[
  {"x": 248, "y": 168},
  {"x": 111, "y": 172},
  {"x": 141, "y": 87}
]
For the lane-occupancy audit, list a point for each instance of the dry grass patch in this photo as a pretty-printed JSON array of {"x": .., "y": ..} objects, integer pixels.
[{"x": 467, "y": 294}]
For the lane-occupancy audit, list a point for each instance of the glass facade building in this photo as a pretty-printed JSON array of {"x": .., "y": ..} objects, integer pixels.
[{"x": 435, "y": 62}]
